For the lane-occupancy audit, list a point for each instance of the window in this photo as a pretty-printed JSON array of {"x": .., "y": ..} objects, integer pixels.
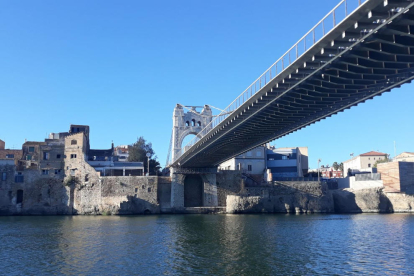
[
  {"x": 18, "y": 178},
  {"x": 31, "y": 149},
  {"x": 187, "y": 123},
  {"x": 28, "y": 157},
  {"x": 9, "y": 155},
  {"x": 4, "y": 176},
  {"x": 249, "y": 153},
  {"x": 45, "y": 172},
  {"x": 259, "y": 153},
  {"x": 192, "y": 122},
  {"x": 136, "y": 190},
  {"x": 199, "y": 123},
  {"x": 58, "y": 156},
  {"x": 284, "y": 157},
  {"x": 72, "y": 172},
  {"x": 149, "y": 190},
  {"x": 72, "y": 156},
  {"x": 45, "y": 156},
  {"x": 249, "y": 168},
  {"x": 240, "y": 166},
  {"x": 57, "y": 171},
  {"x": 74, "y": 142},
  {"x": 369, "y": 165},
  {"x": 86, "y": 177}
]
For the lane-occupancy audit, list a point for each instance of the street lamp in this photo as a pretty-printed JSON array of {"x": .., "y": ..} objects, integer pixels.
[
  {"x": 319, "y": 160},
  {"x": 148, "y": 155}
]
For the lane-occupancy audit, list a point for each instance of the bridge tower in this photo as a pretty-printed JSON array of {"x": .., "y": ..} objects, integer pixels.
[
  {"x": 186, "y": 123},
  {"x": 191, "y": 187}
]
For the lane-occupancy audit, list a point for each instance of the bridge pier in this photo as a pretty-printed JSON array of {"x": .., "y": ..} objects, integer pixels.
[{"x": 195, "y": 187}]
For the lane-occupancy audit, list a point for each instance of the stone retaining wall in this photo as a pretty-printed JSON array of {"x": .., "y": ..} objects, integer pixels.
[{"x": 283, "y": 197}]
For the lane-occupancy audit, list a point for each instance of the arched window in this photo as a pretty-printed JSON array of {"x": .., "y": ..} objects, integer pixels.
[
  {"x": 193, "y": 122},
  {"x": 369, "y": 165},
  {"x": 187, "y": 123},
  {"x": 199, "y": 123}
]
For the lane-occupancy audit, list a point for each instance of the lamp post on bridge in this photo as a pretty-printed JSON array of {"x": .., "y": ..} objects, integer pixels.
[{"x": 148, "y": 155}]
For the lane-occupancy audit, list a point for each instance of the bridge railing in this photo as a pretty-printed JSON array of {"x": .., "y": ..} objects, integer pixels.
[{"x": 338, "y": 14}]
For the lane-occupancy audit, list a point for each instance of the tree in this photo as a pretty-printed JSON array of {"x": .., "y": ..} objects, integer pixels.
[
  {"x": 138, "y": 153},
  {"x": 385, "y": 160},
  {"x": 341, "y": 167},
  {"x": 335, "y": 165}
]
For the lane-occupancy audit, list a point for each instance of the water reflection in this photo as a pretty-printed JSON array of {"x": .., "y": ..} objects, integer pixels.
[{"x": 204, "y": 244}]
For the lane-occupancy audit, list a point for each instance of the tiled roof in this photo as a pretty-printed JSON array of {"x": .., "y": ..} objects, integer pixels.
[{"x": 374, "y": 153}]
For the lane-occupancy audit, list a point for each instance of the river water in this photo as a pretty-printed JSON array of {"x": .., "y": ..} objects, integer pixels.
[{"x": 208, "y": 245}]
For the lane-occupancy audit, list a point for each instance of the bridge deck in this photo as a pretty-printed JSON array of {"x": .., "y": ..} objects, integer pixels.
[{"x": 367, "y": 54}]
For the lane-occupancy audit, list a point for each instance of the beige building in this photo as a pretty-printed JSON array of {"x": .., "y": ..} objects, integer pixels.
[
  {"x": 405, "y": 157},
  {"x": 363, "y": 162}
]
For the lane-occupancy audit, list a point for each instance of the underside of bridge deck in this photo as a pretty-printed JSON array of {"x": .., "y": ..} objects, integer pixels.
[{"x": 371, "y": 53}]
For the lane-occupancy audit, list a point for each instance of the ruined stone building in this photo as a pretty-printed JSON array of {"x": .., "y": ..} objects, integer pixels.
[
  {"x": 12, "y": 154},
  {"x": 44, "y": 176}
]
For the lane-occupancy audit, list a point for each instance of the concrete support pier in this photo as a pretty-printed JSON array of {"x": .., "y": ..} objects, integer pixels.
[{"x": 193, "y": 187}]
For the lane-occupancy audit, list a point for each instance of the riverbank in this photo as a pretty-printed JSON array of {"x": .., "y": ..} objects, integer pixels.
[
  {"x": 288, "y": 197},
  {"x": 371, "y": 200}
]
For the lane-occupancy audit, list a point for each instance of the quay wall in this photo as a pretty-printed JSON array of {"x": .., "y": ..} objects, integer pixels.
[
  {"x": 283, "y": 197},
  {"x": 123, "y": 195}
]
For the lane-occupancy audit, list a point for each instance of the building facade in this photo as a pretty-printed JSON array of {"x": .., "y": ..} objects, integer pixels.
[
  {"x": 251, "y": 162},
  {"x": 287, "y": 162},
  {"x": 330, "y": 172},
  {"x": 11, "y": 154},
  {"x": 280, "y": 162},
  {"x": 122, "y": 152},
  {"x": 363, "y": 162},
  {"x": 405, "y": 156}
]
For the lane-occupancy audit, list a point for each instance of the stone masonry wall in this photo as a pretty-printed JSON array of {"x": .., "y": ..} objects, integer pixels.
[
  {"x": 299, "y": 197},
  {"x": 228, "y": 183},
  {"x": 42, "y": 195},
  {"x": 373, "y": 200},
  {"x": 119, "y": 195}
]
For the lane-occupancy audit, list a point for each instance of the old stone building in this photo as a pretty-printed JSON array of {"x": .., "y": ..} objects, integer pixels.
[
  {"x": 13, "y": 154},
  {"x": 54, "y": 177}
]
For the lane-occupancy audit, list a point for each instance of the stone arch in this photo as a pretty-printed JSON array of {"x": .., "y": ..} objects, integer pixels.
[
  {"x": 193, "y": 190},
  {"x": 185, "y": 134}
]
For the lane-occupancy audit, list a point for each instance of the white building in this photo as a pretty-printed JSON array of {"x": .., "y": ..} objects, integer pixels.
[
  {"x": 405, "y": 157},
  {"x": 122, "y": 152},
  {"x": 363, "y": 162},
  {"x": 282, "y": 162},
  {"x": 252, "y": 162}
]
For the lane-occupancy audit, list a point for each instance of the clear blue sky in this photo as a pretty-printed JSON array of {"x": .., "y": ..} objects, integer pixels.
[{"x": 121, "y": 66}]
